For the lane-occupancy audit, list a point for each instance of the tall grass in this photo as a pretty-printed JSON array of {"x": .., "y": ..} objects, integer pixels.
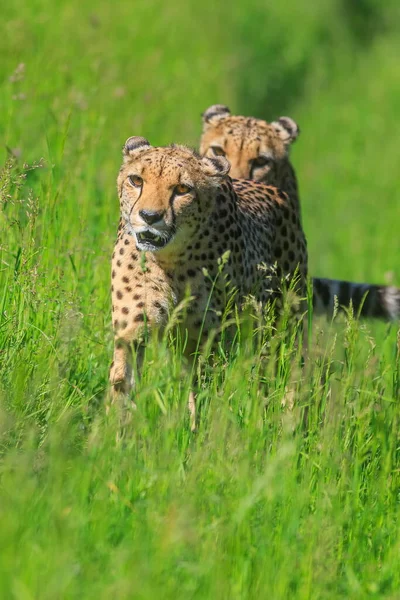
[{"x": 290, "y": 487}]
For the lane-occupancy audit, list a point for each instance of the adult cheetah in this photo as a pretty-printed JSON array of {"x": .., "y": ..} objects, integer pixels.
[
  {"x": 259, "y": 151},
  {"x": 180, "y": 215}
]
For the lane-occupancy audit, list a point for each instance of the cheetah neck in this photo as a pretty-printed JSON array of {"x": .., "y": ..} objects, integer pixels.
[{"x": 285, "y": 179}]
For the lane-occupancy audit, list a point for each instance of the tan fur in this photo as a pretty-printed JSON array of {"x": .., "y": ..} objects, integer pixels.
[{"x": 257, "y": 224}]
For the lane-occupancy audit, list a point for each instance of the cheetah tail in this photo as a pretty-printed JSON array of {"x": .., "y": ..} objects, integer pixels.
[{"x": 376, "y": 301}]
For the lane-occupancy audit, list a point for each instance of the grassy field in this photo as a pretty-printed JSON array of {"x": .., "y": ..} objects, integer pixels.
[{"x": 264, "y": 501}]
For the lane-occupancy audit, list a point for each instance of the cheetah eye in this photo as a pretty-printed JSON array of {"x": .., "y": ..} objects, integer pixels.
[
  {"x": 218, "y": 151},
  {"x": 135, "y": 180},
  {"x": 182, "y": 189},
  {"x": 262, "y": 161}
]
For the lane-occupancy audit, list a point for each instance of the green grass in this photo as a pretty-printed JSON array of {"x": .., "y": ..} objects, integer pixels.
[{"x": 266, "y": 501}]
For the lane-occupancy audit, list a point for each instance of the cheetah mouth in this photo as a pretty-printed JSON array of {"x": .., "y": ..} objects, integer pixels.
[{"x": 151, "y": 240}]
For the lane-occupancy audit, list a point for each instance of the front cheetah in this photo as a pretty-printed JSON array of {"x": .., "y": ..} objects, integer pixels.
[
  {"x": 259, "y": 151},
  {"x": 180, "y": 214}
]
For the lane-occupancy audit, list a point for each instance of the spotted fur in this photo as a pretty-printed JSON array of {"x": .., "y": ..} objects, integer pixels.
[
  {"x": 180, "y": 216},
  {"x": 259, "y": 151}
]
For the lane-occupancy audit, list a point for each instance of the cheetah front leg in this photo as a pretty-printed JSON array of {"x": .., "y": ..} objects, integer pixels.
[
  {"x": 140, "y": 298},
  {"x": 129, "y": 319},
  {"x": 122, "y": 379}
]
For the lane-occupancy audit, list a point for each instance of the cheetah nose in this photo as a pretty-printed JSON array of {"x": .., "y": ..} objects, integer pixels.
[{"x": 151, "y": 216}]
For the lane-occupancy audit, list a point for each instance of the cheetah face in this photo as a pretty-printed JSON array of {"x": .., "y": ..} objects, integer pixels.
[
  {"x": 165, "y": 193},
  {"x": 254, "y": 147}
]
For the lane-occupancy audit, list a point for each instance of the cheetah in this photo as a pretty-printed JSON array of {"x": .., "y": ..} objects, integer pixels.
[
  {"x": 259, "y": 151},
  {"x": 186, "y": 226}
]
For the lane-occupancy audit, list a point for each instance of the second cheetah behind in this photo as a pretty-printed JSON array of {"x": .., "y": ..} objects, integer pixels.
[{"x": 259, "y": 151}]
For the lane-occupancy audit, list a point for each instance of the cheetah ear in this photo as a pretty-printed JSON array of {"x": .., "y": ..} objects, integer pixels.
[
  {"x": 134, "y": 146},
  {"x": 215, "y": 167},
  {"x": 215, "y": 113},
  {"x": 287, "y": 129}
]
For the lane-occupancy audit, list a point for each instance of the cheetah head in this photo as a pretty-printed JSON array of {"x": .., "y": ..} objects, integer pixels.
[
  {"x": 253, "y": 147},
  {"x": 166, "y": 192}
]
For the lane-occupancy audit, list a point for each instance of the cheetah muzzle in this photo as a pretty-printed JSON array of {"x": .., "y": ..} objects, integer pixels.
[{"x": 151, "y": 240}]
